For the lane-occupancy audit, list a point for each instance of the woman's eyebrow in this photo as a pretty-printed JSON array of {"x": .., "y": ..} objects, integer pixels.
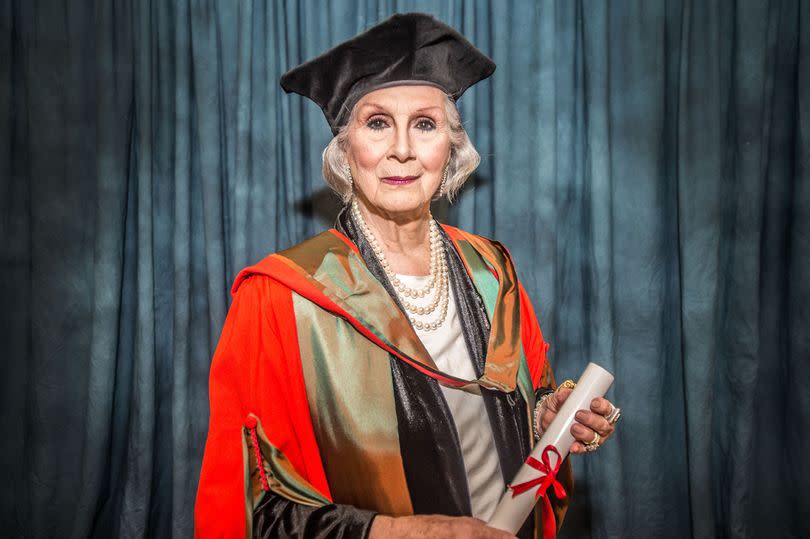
[
  {"x": 427, "y": 109},
  {"x": 373, "y": 105},
  {"x": 422, "y": 110}
]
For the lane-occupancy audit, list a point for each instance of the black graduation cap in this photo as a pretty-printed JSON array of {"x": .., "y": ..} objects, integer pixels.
[{"x": 408, "y": 48}]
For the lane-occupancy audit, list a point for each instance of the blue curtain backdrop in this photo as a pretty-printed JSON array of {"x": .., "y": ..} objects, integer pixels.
[{"x": 647, "y": 163}]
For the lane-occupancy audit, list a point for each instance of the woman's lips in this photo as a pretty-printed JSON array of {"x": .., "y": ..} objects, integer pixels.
[{"x": 399, "y": 180}]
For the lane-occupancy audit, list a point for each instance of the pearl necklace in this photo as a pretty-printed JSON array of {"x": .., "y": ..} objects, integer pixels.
[{"x": 438, "y": 276}]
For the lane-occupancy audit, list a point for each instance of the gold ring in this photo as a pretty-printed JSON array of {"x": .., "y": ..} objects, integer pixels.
[
  {"x": 593, "y": 445},
  {"x": 570, "y": 384}
]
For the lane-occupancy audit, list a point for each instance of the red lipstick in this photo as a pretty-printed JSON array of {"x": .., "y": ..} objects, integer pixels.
[{"x": 399, "y": 180}]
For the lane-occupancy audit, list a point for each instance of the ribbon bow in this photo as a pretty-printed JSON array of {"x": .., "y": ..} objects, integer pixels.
[{"x": 548, "y": 479}]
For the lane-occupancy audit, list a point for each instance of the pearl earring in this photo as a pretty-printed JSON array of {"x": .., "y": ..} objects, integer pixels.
[{"x": 443, "y": 185}]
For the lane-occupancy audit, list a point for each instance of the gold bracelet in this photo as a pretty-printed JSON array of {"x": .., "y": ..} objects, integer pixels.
[{"x": 539, "y": 408}]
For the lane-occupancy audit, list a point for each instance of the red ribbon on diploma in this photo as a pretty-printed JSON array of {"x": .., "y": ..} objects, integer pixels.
[{"x": 542, "y": 483}]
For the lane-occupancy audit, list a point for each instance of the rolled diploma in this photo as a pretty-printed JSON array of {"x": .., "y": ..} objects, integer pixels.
[{"x": 512, "y": 512}]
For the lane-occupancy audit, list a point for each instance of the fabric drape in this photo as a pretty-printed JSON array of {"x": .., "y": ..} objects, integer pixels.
[{"x": 646, "y": 162}]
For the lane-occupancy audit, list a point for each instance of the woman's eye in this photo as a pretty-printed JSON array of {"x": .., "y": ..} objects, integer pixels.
[
  {"x": 425, "y": 125},
  {"x": 376, "y": 124}
]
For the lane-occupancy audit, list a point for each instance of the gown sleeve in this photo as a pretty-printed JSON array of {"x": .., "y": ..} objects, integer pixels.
[
  {"x": 256, "y": 374},
  {"x": 278, "y": 517},
  {"x": 535, "y": 349},
  {"x": 534, "y": 346}
]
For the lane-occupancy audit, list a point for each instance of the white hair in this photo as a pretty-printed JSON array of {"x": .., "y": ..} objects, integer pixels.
[{"x": 464, "y": 158}]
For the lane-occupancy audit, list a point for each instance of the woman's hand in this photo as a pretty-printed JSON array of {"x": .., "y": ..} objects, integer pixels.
[
  {"x": 588, "y": 422},
  {"x": 438, "y": 526}
]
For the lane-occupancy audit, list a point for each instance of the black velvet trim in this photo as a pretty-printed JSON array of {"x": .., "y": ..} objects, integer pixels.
[
  {"x": 541, "y": 392},
  {"x": 276, "y": 516}
]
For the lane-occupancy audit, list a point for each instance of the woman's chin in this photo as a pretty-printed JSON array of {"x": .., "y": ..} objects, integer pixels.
[{"x": 405, "y": 204}]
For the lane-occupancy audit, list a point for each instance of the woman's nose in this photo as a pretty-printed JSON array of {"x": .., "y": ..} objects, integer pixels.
[{"x": 401, "y": 148}]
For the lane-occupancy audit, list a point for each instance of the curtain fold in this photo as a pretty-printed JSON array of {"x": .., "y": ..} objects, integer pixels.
[{"x": 647, "y": 164}]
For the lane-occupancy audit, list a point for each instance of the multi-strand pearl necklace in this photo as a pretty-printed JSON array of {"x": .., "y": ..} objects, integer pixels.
[{"x": 437, "y": 278}]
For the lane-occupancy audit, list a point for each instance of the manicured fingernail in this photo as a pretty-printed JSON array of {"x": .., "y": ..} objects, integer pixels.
[{"x": 580, "y": 416}]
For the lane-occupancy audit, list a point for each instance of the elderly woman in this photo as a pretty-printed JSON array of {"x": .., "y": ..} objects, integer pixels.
[{"x": 388, "y": 377}]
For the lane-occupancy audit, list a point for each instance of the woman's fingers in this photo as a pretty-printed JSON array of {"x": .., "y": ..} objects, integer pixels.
[
  {"x": 591, "y": 423},
  {"x": 595, "y": 422},
  {"x": 553, "y": 405},
  {"x": 588, "y": 423},
  {"x": 601, "y": 406},
  {"x": 560, "y": 396},
  {"x": 577, "y": 448},
  {"x": 584, "y": 434}
]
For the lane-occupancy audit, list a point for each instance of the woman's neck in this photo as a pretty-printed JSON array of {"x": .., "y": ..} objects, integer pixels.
[{"x": 405, "y": 239}]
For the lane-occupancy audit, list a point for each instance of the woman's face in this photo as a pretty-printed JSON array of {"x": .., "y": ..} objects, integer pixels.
[{"x": 398, "y": 148}]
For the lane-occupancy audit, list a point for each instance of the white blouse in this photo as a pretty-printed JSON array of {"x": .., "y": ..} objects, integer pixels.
[{"x": 447, "y": 348}]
